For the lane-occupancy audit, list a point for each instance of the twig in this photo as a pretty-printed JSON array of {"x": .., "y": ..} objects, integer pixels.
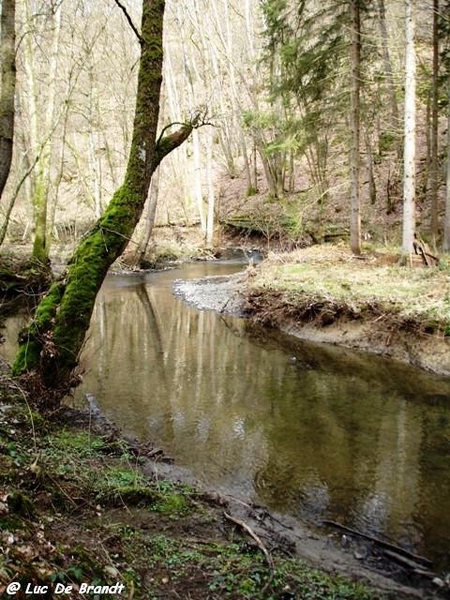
[
  {"x": 380, "y": 543},
  {"x": 259, "y": 543},
  {"x": 130, "y": 22}
]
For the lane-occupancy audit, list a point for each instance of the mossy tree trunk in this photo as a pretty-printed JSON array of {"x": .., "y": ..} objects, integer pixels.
[{"x": 49, "y": 347}]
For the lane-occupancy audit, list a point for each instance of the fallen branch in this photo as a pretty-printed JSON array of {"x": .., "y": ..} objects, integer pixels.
[
  {"x": 380, "y": 543},
  {"x": 258, "y": 541},
  {"x": 410, "y": 564}
]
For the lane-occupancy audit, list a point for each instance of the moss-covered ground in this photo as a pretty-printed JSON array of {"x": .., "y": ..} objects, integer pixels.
[{"x": 76, "y": 507}]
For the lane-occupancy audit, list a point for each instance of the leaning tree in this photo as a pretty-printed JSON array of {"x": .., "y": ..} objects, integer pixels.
[{"x": 50, "y": 345}]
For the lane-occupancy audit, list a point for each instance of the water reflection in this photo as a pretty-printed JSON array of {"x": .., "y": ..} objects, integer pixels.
[{"x": 312, "y": 430}]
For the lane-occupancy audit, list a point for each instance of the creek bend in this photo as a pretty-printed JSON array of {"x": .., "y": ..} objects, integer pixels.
[{"x": 314, "y": 431}]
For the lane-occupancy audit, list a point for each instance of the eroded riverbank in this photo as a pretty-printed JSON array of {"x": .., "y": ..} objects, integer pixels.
[{"x": 326, "y": 295}]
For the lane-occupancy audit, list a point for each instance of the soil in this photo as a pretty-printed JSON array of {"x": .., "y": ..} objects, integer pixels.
[{"x": 426, "y": 351}]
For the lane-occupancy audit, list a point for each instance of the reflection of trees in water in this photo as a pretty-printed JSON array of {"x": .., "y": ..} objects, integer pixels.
[
  {"x": 313, "y": 438},
  {"x": 434, "y": 461},
  {"x": 347, "y": 452},
  {"x": 178, "y": 375}
]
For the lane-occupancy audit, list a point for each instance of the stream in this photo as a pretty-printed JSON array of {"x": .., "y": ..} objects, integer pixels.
[{"x": 313, "y": 431}]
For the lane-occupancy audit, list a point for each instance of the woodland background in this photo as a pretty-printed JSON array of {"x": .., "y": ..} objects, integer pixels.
[{"x": 276, "y": 80}]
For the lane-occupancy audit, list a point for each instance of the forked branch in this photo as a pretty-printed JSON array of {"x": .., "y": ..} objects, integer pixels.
[{"x": 166, "y": 143}]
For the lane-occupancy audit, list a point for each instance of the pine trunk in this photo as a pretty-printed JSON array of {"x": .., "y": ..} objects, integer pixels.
[
  {"x": 446, "y": 245},
  {"x": 355, "y": 218},
  {"x": 434, "y": 170}
]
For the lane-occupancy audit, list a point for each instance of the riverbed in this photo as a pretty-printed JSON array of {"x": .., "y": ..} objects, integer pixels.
[{"x": 310, "y": 430}]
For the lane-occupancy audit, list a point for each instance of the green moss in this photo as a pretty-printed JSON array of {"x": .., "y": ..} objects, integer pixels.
[
  {"x": 53, "y": 340},
  {"x": 31, "y": 340},
  {"x": 173, "y": 505},
  {"x": 83, "y": 443},
  {"x": 12, "y": 523}
]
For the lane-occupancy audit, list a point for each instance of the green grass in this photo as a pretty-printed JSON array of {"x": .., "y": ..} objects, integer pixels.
[{"x": 422, "y": 294}]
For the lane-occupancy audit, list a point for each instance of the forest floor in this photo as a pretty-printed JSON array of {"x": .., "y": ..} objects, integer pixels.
[{"x": 82, "y": 506}]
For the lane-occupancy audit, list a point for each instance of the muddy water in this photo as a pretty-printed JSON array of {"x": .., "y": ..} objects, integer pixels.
[{"x": 310, "y": 430}]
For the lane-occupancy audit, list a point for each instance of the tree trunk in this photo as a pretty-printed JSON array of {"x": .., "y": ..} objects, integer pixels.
[
  {"x": 211, "y": 195},
  {"x": 355, "y": 218},
  {"x": 41, "y": 128},
  {"x": 434, "y": 175},
  {"x": 49, "y": 347},
  {"x": 446, "y": 246},
  {"x": 8, "y": 84},
  {"x": 150, "y": 217},
  {"x": 370, "y": 169},
  {"x": 409, "y": 182}
]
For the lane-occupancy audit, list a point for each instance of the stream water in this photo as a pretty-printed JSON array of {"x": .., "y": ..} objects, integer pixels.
[{"x": 310, "y": 430}]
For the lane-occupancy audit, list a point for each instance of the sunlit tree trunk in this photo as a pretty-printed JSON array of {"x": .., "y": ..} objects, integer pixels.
[
  {"x": 211, "y": 193},
  {"x": 409, "y": 182},
  {"x": 370, "y": 168},
  {"x": 355, "y": 217},
  {"x": 49, "y": 347},
  {"x": 8, "y": 83},
  {"x": 150, "y": 216},
  {"x": 40, "y": 132},
  {"x": 445, "y": 33}
]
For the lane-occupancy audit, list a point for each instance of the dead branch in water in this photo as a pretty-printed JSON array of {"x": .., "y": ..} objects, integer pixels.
[{"x": 380, "y": 543}]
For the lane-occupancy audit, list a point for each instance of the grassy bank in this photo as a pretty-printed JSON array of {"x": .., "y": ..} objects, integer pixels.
[
  {"x": 78, "y": 507},
  {"x": 323, "y": 284}
]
